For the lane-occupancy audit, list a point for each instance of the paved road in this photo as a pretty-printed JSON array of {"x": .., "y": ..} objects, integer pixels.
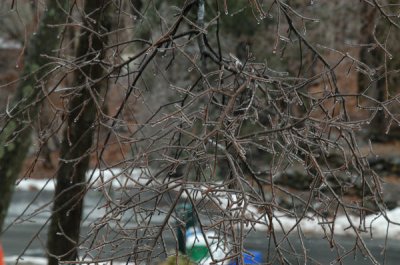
[{"x": 18, "y": 236}]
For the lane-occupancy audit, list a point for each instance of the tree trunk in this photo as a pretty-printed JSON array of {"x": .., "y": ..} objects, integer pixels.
[
  {"x": 373, "y": 58},
  {"x": 15, "y": 135},
  {"x": 63, "y": 236},
  {"x": 368, "y": 54}
]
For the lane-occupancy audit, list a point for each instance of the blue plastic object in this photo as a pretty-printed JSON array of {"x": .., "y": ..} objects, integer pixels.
[{"x": 255, "y": 257}]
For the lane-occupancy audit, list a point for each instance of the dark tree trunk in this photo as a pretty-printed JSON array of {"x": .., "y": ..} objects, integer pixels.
[
  {"x": 369, "y": 54},
  {"x": 373, "y": 57},
  {"x": 15, "y": 136},
  {"x": 136, "y": 6},
  {"x": 63, "y": 236}
]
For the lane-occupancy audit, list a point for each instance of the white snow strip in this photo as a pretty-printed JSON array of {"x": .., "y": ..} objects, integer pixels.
[
  {"x": 118, "y": 178},
  {"x": 30, "y": 260},
  {"x": 379, "y": 224},
  {"x": 115, "y": 177},
  {"x": 9, "y": 44},
  {"x": 36, "y": 184},
  {"x": 25, "y": 260},
  {"x": 375, "y": 225}
]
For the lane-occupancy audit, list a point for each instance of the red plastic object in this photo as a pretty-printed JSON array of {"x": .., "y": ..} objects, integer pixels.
[{"x": 1, "y": 256}]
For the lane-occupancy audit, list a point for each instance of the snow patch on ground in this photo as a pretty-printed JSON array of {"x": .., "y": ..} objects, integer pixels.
[
  {"x": 36, "y": 184},
  {"x": 116, "y": 178},
  {"x": 30, "y": 260},
  {"x": 377, "y": 225},
  {"x": 374, "y": 225},
  {"x": 9, "y": 44},
  {"x": 25, "y": 260}
]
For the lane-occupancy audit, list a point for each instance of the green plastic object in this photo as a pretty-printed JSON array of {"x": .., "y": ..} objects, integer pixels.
[
  {"x": 196, "y": 246},
  {"x": 198, "y": 253}
]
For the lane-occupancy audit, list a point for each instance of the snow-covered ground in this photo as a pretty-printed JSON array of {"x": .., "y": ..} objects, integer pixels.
[
  {"x": 30, "y": 260},
  {"x": 9, "y": 44},
  {"x": 376, "y": 225},
  {"x": 115, "y": 177}
]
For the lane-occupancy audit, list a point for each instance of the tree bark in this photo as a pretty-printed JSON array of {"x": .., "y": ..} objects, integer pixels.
[
  {"x": 371, "y": 56},
  {"x": 15, "y": 135},
  {"x": 368, "y": 54},
  {"x": 63, "y": 236}
]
